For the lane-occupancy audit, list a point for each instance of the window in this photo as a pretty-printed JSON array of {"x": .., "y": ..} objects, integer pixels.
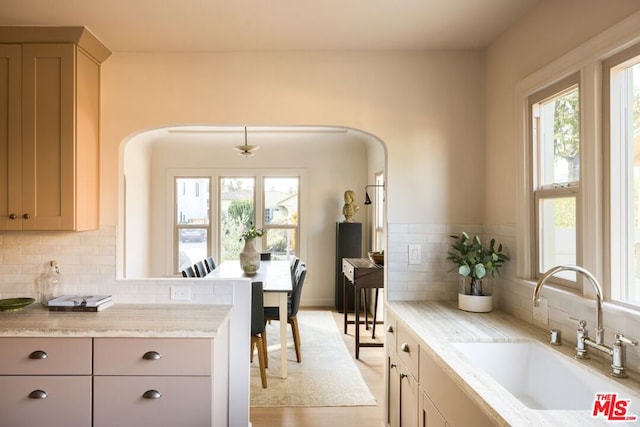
[
  {"x": 192, "y": 223},
  {"x": 554, "y": 115},
  {"x": 237, "y": 213},
  {"x": 622, "y": 119},
  {"x": 281, "y": 222},
  {"x": 378, "y": 204}
]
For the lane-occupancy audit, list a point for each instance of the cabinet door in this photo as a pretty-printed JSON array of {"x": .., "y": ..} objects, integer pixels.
[
  {"x": 48, "y": 137},
  {"x": 47, "y": 401},
  {"x": 409, "y": 401},
  {"x": 10, "y": 137},
  {"x": 45, "y": 356},
  {"x": 393, "y": 390},
  {"x": 152, "y": 401},
  {"x": 428, "y": 414}
]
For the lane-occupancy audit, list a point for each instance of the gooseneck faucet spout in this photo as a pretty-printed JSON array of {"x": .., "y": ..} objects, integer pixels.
[{"x": 594, "y": 283}]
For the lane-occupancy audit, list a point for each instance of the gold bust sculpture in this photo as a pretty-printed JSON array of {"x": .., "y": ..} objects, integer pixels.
[{"x": 350, "y": 208}]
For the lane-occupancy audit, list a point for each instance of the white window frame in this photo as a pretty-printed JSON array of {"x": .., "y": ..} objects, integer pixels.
[
  {"x": 214, "y": 175},
  {"x": 615, "y": 179},
  {"x": 551, "y": 191},
  {"x": 586, "y": 59},
  {"x": 295, "y": 229}
]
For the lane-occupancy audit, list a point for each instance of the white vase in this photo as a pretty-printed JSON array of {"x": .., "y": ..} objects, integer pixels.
[
  {"x": 249, "y": 258},
  {"x": 475, "y": 303},
  {"x": 475, "y": 297}
]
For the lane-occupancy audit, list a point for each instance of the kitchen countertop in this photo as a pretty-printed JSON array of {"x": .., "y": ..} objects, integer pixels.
[
  {"x": 119, "y": 320},
  {"x": 438, "y": 324}
]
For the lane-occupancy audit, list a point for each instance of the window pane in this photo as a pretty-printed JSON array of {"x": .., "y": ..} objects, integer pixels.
[
  {"x": 281, "y": 243},
  {"x": 559, "y": 138},
  {"x": 281, "y": 201},
  {"x": 236, "y": 214},
  {"x": 557, "y": 234},
  {"x": 626, "y": 131},
  {"x": 192, "y": 199},
  {"x": 192, "y": 246}
]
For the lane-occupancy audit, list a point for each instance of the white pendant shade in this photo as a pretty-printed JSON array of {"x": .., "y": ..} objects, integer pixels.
[{"x": 246, "y": 150}]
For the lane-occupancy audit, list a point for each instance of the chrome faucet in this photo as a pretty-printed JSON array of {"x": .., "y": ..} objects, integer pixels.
[{"x": 582, "y": 335}]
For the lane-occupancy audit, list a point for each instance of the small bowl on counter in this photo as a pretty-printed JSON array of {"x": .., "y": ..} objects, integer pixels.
[{"x": 15, "y": 304}]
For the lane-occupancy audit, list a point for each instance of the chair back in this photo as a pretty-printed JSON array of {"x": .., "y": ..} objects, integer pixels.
[
  {"x": 188, "y": 272},
  {"x": 265, "y": 256},
  {"x": 301, "y": 273},
  {"x": 257, "y": 309},
  {"x": 294, "y": 261},
  {"x": 209, "y": 264},
  {"x": 200, "y": 270}
]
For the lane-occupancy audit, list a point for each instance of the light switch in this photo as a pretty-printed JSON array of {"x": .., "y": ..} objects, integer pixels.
[{"x": 415, "y": 254}]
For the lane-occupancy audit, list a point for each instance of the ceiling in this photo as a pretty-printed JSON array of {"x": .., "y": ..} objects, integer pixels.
[{"x": 260, "y": 25}]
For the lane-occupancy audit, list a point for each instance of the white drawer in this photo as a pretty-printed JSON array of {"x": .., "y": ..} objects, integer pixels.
[
  {"x": 45, "y": 356},
  {"x": 67, "y": 402},
  {"x": 152, "y": 356},
  {"x": 181, "y": 401}
]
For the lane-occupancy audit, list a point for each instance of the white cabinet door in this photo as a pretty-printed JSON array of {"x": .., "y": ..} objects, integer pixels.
[{"x": 47, "y": 401}]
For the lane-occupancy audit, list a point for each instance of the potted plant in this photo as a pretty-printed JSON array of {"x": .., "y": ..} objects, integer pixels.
[
  {"x": 475, "y": 262},
  {"x": 249, "y": 256}
]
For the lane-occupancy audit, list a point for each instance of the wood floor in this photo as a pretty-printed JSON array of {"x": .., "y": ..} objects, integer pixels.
[{"x": 371, "y": 365}]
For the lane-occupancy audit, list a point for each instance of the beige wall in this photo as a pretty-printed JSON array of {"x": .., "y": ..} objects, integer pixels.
[
  {"x": 549, "y": 30},
  {"x": 426, "y": 107}
]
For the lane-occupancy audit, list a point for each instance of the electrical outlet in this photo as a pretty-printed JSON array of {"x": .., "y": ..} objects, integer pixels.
[
  {"x": 415, "y": 254},
  {"x": 180, "y": 293},
  {"x": 541, "y": 312}
]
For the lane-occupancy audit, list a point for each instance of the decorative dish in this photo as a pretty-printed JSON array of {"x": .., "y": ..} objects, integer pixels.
[{"x": 15, "y": 304}]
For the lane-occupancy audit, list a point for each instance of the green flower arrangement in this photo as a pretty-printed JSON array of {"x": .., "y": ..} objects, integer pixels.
[
  {"x": 475, "y": 260},
  {"x": 251, "y": 233}
]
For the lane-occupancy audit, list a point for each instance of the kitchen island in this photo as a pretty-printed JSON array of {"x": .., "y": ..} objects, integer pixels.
[{"x": 126, "y": 365}]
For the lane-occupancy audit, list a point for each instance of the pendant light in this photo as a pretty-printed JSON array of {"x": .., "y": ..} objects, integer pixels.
[{"x": 246, "y": 150}]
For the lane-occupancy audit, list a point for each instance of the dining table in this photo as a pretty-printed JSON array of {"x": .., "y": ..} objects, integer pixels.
[{"x": 276, "y": 285}]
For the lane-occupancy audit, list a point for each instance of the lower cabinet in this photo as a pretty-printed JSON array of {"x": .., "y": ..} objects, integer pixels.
[
  {"x": 45, "y": 382},
  {"x": 419, "y": 392},
  {"x": 113, "y": 382},
  {"x": 153, "y": 401},
  {"x": 402, "y": 353},
  {"x": 52, "y": 401}
]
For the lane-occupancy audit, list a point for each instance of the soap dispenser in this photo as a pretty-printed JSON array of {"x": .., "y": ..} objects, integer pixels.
[{"x": 52, "y": 283}]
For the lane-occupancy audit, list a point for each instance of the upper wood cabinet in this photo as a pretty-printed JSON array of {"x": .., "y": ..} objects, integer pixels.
[{"x": 49, "y": 128}]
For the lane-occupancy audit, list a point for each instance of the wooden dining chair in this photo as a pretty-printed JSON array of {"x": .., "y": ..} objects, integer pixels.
[
  {"x": 209, "y": 264},
  {"x": 258, "y": 336},
  {"x": 293, "y": 305},
  {"x": 188, "y": 272},
  {"x": 199, "y": 268}
]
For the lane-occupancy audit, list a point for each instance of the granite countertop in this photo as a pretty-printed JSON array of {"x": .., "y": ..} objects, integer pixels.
[
  {"x": 438, "y": 324},
  {"x": 119, "y": 320}
]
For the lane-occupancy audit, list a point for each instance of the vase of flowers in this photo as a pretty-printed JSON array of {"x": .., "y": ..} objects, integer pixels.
[
  {"x": 249, "y": 256},
  {"x": 475, "y": 263}
]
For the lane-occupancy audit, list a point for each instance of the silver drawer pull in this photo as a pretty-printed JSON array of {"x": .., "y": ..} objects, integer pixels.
[
  {"x": 390, "y": 329},
  {"x": 152, "y": 355},
  {"x": 38, "y": 354},
  {"x": 38, "y": 394},
  {"x": 152, "y": 394},
  {"x": 404, "y": 347}
]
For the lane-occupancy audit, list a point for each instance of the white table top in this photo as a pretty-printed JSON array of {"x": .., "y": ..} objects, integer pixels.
[{"x": 274, "y": 275}]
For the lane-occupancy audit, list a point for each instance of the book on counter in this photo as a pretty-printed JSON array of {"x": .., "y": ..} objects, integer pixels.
[{"x": 80, "y": 303}]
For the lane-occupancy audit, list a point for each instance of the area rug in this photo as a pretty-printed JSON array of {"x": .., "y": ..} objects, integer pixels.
[{"x": 327, "y": 375}]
